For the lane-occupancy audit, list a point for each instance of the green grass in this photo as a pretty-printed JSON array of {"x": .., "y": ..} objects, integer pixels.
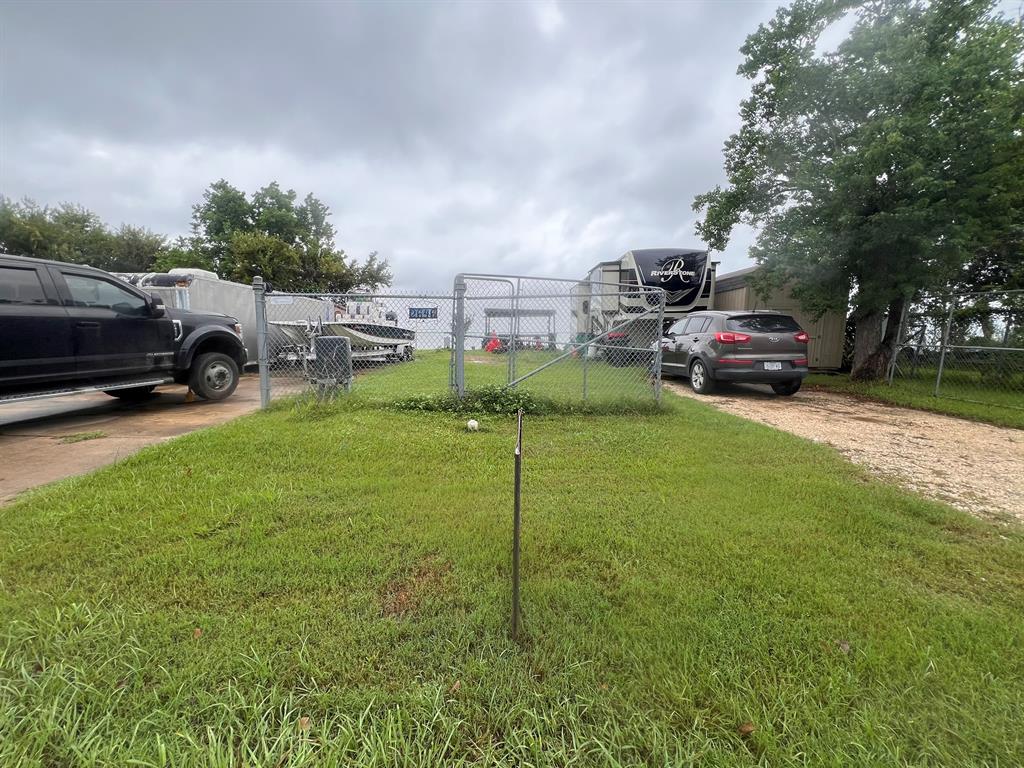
[
  {"x": 963, "y": 396},
  {"x": 685, "y": 573},
  {"x": 562, "y": 381}
]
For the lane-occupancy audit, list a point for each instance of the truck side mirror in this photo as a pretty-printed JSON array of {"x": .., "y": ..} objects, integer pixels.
[{"x": 156, "y": 306}]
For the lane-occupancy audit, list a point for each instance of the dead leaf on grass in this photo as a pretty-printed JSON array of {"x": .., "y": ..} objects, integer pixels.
[
  {"x": 455, "y": 687},
  {"x": 197, "y": 633},
  {"x": 746, "y": 729},
  {"x": 844, "y": 646},
  {"x": 305, "y": 724}
]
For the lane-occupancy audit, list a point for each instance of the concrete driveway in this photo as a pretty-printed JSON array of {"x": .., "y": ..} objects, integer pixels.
[{"x": 46, "y": 440}]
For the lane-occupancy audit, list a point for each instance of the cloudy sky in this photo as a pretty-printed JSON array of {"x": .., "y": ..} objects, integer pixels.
[{"x": 534, "y": 138}]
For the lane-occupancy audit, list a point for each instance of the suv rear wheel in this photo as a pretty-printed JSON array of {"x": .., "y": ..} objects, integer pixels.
[
  {"x": 786, "y": 388},
  {"x": 700, "y": 379},
  {"x": 213, "y": 376}
]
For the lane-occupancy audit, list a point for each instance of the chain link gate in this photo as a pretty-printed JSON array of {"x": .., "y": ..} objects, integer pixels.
[
  {"x": 563, "y": 339},
  {"x": 964, "y": 347}
]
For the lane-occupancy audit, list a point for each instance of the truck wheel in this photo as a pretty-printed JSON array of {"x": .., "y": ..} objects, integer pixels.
[
  {"x": 786, "y": 388},
  {"x": 700, "y": 379},
  {"x": 213, "y": 376},
  {"x": 131, "y": 394}
]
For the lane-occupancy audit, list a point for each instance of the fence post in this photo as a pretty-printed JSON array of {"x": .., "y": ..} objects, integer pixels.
[
  {"x": 658, "y": 332},
  {"x": 945, "y": 343},
  {"x": 514, "y": 331},
  {"x": 586, "y": 354},
  {"x": 259, "y": 292},
  {"x": 899, "y": 340},
  {"x": 459, "y": 336}
]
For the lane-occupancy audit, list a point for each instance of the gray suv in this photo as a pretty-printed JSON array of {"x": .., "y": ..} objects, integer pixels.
[{"x": 761, "y": 347}]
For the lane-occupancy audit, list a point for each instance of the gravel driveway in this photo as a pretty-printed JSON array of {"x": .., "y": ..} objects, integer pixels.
[{"x": 975, "y": 467}]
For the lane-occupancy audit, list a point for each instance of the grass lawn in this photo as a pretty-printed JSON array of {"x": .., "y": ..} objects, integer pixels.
[
  {"x": 304, "y": 588},
  {"x": 562, "y": 380},
  {"x": 963, "y": 396}
]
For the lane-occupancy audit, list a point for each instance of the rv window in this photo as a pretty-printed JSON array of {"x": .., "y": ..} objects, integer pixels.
[{"x": 763, "y": 324}]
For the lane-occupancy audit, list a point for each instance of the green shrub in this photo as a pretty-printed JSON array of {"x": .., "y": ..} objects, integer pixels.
[{"x": 504, "y": 400}]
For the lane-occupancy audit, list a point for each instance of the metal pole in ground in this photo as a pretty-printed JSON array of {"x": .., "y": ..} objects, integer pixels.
[
  {"x": 459, "y": 340},
  {"x": 516, "y": 524},
  {"x": 945, "y": 343},
  {"x": 658, "y": 331},
  {"x": 899, "y": 340},
  {"x": 585, "y": 350},
  {"x": 260, "y": 295}
]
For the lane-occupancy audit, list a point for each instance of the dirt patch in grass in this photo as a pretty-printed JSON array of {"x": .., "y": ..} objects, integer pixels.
[
  {"x": 404, "y": 594},
  {"x": 80, "y": 437},
  {"x": 487, "y": 360}
]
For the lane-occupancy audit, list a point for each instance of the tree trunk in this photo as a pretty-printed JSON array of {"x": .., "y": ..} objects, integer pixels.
[{"x": 873, "y": 350}]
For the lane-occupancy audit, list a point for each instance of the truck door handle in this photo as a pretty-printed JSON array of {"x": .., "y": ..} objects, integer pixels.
[{"x": 87, "y": 324}]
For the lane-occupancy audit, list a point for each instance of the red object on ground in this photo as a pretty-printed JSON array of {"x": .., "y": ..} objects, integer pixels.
[{"x": 493, "y": 344}]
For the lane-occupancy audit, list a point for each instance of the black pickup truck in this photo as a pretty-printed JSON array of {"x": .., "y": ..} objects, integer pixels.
[{"x": 66, "y": 328}]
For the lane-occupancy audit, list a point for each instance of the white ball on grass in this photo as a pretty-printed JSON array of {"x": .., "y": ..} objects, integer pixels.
[{"x": 472, "y": 425}]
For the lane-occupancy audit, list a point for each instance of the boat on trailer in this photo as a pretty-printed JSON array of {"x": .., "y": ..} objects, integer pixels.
[{"x": 373, "y": 333}]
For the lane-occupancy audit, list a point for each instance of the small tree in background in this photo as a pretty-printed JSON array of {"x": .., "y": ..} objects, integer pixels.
[
  {"x": 292, "y": 245},
  {"x": 880, "y": 169}
]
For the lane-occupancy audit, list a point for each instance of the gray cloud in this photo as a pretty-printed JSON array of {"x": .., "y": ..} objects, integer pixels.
[{"x": 527, "y": 137}]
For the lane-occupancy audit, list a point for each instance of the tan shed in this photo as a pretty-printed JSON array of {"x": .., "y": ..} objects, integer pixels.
[{"x": 825, "y": 350}]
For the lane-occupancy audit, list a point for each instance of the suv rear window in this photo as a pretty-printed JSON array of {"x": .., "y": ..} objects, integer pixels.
[{"x": 763, "y": 324}]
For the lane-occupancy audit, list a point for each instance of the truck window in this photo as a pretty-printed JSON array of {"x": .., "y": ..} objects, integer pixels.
[
  {"x": 20, "y": 286},
  {"x": 87, "y": 291}
]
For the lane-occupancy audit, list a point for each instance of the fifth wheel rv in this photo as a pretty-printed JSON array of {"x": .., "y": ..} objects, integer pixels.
[{"x": 602, "y": 302}]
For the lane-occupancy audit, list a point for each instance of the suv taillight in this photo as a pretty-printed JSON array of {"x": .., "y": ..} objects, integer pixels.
[
  {"x": 728, "y": 337},
  {"x": 802, "y": 337}
]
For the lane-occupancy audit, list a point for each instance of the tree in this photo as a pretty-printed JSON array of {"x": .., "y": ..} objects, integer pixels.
[
  {"x": 257, "y": 253},
  {"x": 879, "y": 170},
  {"x": 74, "y": 234},
  {"x": 180, "y": 255},
  {"x": 223, "y": 212},
  {"x": 292, "y": 245}
]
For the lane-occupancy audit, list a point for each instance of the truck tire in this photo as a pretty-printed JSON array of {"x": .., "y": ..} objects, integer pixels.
[
  {"x": 131, "y": 394},
  {"x": 700, "y": 378},
  {"x": 213, "y": 376}
]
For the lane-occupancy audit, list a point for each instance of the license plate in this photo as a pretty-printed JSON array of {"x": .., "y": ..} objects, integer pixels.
[{"x": 773, "y": 366}]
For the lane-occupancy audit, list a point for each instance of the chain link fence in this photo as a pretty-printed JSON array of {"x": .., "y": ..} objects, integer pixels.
[
  {"x": 966, "y": 347},
  {"x": 383, "y": 344},
  {"x": 561, "y": 339}
]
